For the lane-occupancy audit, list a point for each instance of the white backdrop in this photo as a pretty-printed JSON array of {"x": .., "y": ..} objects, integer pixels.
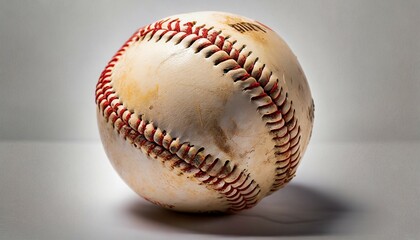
[{"x": 361, "y": 58}]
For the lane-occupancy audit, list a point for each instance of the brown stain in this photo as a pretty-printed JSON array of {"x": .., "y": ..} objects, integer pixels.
[
  {"x": 208, "y": 121},
  {"x": 231, "y": 19},
  {"x": 244, "y": 154},
  {"x": 233, "y": 129},
  {"x": 200, "y": 115},
  {"x": 311, "y": 112},
  {"x": 220, "y": 138},
  {"x": 149, "y": 95},
  {"x": 130, "y": 91},
  {"x": 257, "y": 35}
]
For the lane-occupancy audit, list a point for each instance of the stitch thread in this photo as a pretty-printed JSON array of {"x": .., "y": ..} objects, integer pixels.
[
  {"x": 146, "y": 137},
  {"x": 157, "y": 144},
  {"x": 273, "y": 104}
]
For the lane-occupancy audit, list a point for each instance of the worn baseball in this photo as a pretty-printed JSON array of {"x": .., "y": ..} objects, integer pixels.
[{"x": 204, "y": 112}]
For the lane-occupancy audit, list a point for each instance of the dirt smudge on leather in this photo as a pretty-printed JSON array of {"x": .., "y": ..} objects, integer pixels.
[
  {"x": 247, "y": 27},
  {"x": 220, "y": 138}
]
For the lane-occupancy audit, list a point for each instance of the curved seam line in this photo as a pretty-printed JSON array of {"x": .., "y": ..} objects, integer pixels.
[
  {"x": 122, "y": 116},
  {"x": 241, "y": 60}
]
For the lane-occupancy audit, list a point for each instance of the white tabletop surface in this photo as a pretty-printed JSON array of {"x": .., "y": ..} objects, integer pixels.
[{"x": 342, "y": 191}]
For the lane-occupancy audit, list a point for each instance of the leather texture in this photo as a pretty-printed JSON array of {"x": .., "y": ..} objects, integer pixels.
[{"x": 225, "y": 101}]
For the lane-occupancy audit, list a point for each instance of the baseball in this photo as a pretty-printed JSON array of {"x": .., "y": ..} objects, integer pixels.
[{"x": 204, "y": 112}]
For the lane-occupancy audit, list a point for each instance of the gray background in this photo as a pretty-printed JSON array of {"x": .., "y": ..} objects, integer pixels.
[
  {"x": 361, "y": 59},
  {"x": 359, "y": 178}
]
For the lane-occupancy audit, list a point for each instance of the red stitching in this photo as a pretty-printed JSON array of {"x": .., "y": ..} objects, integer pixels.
[
  {"x": 134, "y": 135},
  {"x": 216, "y": 39},
  {"x": 212, "y": 165},
  {"x": 237, "y": 179}
]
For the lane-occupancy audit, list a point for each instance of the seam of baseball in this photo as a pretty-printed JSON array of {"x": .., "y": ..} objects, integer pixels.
[
  {"x": 273, "y": 105},
  {"x": 255, "y": 78},
  {"x": 239, "y": 189}
]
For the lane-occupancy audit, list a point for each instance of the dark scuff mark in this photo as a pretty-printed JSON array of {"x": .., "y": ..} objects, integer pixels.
[{"x": 220, "y": 138}]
